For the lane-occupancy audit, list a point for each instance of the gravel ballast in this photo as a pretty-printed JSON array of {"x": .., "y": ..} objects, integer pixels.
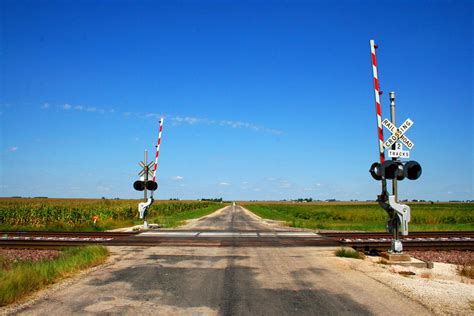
[{"x": 9, "y": 256}]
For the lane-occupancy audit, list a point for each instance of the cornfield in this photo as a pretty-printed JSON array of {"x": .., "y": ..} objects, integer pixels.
[
  {"x": 366, "y": 216},
  {"x": 32, "y": 212}
]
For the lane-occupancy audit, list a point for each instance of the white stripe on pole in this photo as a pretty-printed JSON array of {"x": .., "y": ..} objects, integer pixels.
[
  {"x": 158, "y": 149},
  {"x": 378, "y": 106}
]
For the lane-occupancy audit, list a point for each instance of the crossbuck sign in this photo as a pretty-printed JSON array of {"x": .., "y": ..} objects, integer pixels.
[
  {"x": 398, "y": 134},
  {"x": 146, "y": 169}
]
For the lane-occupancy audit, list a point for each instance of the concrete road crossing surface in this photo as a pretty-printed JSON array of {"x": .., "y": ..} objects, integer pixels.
[{"x": 223, "y": 281}]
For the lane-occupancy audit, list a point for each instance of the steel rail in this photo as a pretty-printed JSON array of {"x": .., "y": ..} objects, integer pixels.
[
  {"x": 366, "y": 241},
  {"x": 427, "y": 234},
  {"x": 382, "y": 245}
]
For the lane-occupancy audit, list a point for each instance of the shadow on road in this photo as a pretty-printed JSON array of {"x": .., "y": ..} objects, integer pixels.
[{"x": 231, "y": 290}]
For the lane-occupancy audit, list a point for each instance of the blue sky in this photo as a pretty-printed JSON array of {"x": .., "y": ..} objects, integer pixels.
[{"x": 262, "y": 100}]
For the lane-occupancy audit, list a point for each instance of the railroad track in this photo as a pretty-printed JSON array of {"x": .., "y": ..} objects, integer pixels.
[
  {"x": 460, "y": 240},
  {"x": 363, "y": 241},
  {"x": 411, "y": 234},
  {"x": 165, "y": 238},
  {"x": 65, "y": 234},
  {"x": 40, "y": 239}
]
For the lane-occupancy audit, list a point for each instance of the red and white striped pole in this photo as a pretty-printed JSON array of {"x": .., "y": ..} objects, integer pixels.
[
  {"x": 157, "y": 150},
  {"x": 377, "y": 102}
]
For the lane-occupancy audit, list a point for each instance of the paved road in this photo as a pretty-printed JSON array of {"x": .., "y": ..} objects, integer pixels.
[{"x": 224, "y": 281}]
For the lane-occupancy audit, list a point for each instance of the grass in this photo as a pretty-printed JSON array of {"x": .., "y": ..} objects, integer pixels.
[
  {"x": 24, "y": 278},
  {"x": 366, "y": 216},
  {"x": 78, "y": 214},
  {"x": 466, "y": 270},
  {"x": 348, "y": 253},
  {"x": 61, "y": 227}
]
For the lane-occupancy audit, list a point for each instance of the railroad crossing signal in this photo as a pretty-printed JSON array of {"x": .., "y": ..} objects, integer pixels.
[
  {"x": 399, "y": 214},
  {"x": 398, "y": 133},
  {"x": 391, "y": 169},
  {"x": 142, "y": 185},
  {"x": 146, "y": 169},
  {"x": 145, "y": 174}
]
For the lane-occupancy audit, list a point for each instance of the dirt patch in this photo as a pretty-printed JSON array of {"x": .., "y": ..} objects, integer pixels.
[
  {"x": 10, "y": 256},
  {"x": 449, "y": 256},
  {"x": 406, "y": 273},
  {"x": 441, "y": 289}
]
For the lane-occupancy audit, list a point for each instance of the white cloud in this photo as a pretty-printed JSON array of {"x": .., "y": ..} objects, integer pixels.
[
  {"x": 188, "y": 120},
  {"x": 139, "y": 115},
  {"x": 12, "y": 149},
  {"x": 103, "y": 188},
  {"x": 155, "y": 115},
  {"x": 246, "y": 125},
  {"x": 284, "y": 184},
  {"x": 178, "y": 178},
  {"x": 177, "y": 119},
  {"x": 224, "y": 184},
  {"x": 45, "y": 106},
  {"x": 81, "y": 108},
  {"x": 95, "y": 110}
]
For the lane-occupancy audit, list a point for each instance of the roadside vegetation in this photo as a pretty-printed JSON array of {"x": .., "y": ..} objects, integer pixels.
[
  {"x": 19, "y": 278},
  {"x": 348, "y": 253},
  {"x": 93, "y": 214},
  {"x": 366, "y": 216},
  {"x": 466, "y": 269}
]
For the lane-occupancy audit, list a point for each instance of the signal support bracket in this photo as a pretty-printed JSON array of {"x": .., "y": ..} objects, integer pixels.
[
  {"x": 143, "y": 210},
  {"x": 403, "y": 213}
]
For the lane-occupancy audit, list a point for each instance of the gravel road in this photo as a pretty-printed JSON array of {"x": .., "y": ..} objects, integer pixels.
[{"x": 233, "y": 218}]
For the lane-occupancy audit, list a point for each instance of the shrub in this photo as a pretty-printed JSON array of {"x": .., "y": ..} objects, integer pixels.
[
  {"x": 349, "y": 253},
  {"x": 466, "y": 269}
]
